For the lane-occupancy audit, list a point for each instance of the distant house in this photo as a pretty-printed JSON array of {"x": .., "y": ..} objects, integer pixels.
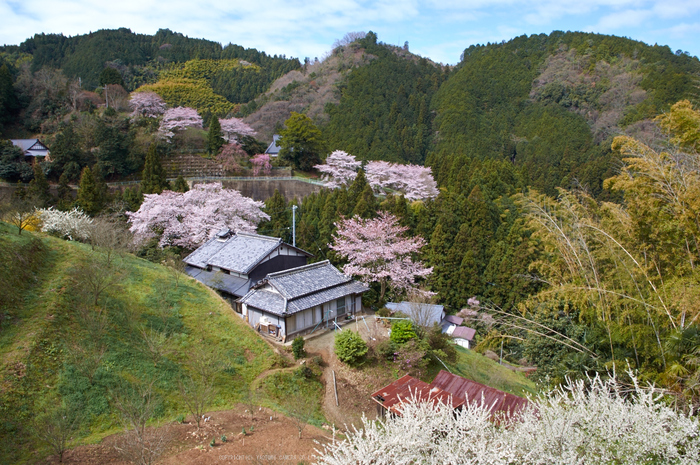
[
  {"x": 421, "y": 314},
  {"x": 461, "y": 335},
  {"x": 33, "y": 149},
  {"x": 273, "y": 149},
  {"x": 231, "y": 263},
  {"x": 448, "y": 389},
  {"x": 299, "y": 300}
]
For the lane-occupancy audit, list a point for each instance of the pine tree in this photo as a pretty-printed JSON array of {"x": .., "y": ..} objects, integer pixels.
[
  {"x": 39, "y": 187},
  {"x": 89, "y": 198},
  {"x": 215, "y": 139},
  {"x": 181, "y": 185},
  {"x": 280, "y": 222},
  {"x": 154, "y": 179},
  {"x": 366, "y": 206},
  {"x": 65, "y": 193}
]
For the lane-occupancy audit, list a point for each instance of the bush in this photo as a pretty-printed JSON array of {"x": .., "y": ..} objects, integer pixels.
[
  {"x": 402, "y": 331},
  {"x": 298, "y": 348},
  {"x": 383, "y": 312},
  {"x": 385, "y": 350},
  {"x": 350, "y": 347}
]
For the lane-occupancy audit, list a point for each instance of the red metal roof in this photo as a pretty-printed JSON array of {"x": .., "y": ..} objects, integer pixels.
[
  {"x": 448, "y": 389},
  {"x": 407, "y": 388},
  {"x": 471, "y": 391}
]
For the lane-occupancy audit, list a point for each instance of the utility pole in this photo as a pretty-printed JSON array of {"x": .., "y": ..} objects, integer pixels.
[{"x": 294, "y": 225}]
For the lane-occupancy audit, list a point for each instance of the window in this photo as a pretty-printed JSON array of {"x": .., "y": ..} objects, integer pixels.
[{"x": 340, "y": 306}]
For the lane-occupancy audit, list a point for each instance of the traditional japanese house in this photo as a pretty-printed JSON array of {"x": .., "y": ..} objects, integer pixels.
[
  {"x": 232, "y": 263},
  {"x": 299, "y": 300}
]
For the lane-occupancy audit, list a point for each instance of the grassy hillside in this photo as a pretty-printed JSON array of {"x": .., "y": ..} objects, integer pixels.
[{"x": 57, "y": 348}]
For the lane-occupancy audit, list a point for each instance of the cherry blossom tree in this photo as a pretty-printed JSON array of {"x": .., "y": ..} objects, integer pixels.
[
  {"x": 230, "y": 157},
  {"x": 191, "y": 218},
  {"x": 261, "y": 161},
  {"x": 234, "y": 128},
  {"x": 581, "y": 422},
  {"x": 340, "y": 169},
  {"x": 414, "y": 181},
  {"x": 147, "y": 104},
  {"x": 378, "y": 252},
  {"x": 72, "y": 225},
  {"x": 178, "y": 119}
]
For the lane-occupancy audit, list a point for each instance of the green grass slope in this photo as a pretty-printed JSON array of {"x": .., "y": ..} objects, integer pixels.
[{"x": 55, "y": 349}]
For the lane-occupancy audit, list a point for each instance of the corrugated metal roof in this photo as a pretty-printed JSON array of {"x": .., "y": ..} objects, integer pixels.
[
  {"x": 419, "y": 312},
  {"x": 455, "y": 320},
  {"x": 408, "y": 388},
  {"x": 471, "y": 391},
  {"x": 448, "y": 389}
]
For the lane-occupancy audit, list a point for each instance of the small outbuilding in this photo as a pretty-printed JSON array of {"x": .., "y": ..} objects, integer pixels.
[
  {"x": 447, "y": 389},
  {"x": 461, "y": 335},
  {"x": 422, "y": 314}
]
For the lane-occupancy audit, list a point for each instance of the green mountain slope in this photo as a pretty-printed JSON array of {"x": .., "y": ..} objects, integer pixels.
[
  {"x": 57, "y": 348},
  {"x": 549, "y": 104}
]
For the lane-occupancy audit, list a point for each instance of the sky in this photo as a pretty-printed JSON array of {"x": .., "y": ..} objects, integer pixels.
[{"x": 436, "y": 29}]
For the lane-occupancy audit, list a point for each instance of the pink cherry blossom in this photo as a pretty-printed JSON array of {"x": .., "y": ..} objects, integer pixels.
[
  {"x": 234, "y": 128},
  {"x": 191, "y": 218},
  {"x": 147, "y": 104},
  {"x": 377, "y": 251}
]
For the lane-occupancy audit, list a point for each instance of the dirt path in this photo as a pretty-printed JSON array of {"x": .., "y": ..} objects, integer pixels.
[{"x": 353, "y": 391}]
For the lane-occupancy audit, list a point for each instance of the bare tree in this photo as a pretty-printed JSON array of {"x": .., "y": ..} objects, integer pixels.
[
  {"x": 19, "y": 211},
  {"x": 111, "y": 237},
  {"x": 175, "y": 266},
  {"x": 301, "y": 409},
  {"x": 197, "y": 389},
  {"x": 95, "y": 276},
  {"x": 421, "y": 311},
  {"x": 155, "y": 344},
  {"x": 56, "y": 427},
  {"x": 136, "y": 405},
  {"x": 250, "y": 400},
  {"x": 86, "y": 356}
]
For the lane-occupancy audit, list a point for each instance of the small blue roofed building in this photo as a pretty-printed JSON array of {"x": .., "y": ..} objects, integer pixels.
[{"x": 422, "y": 314}]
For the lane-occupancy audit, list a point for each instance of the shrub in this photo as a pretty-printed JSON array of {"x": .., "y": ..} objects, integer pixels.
[
  {"x": 383, "y": 312},
  {"x": 402, "y": 331},
  {"x": 298, "y": 348},
  {"x": 350, "y": 347}
]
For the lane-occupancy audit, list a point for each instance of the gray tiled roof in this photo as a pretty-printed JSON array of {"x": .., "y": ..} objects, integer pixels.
[
  {"x": 239, "y": 253},
  {"x": 31, "y": 147},
  {"x": 273, "y": 149},
  {"x": 264, "y": 299},
  {"x": 318, "y": 298},
  {"x": 220, "y": 281},
  {"x": 302, "y": 287},
  {"x": 307, "y": 279}
]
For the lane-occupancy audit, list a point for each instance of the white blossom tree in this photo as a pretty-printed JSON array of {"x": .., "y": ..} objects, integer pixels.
[
  {"x": 179, "y": 119},
  {"x": 340, "y": 169},
  {"x": 234, "y": 128},
  {"x": 189, "y": 219},
  {"x": 72, "y": 225},
  {"x": 414, "y": 181},
  {"x": 377, "y": 251},
  {"x": 147, "y": 104},
  {"x": 579, "y": 423}
]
